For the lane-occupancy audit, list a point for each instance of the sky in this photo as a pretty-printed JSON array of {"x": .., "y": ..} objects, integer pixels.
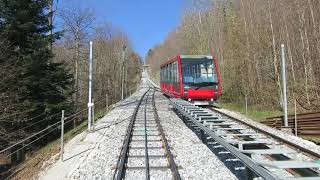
[{"x": 147, "y": 22}]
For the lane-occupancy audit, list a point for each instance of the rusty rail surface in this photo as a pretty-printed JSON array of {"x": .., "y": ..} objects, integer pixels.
[{"x": 307, "y": 123}]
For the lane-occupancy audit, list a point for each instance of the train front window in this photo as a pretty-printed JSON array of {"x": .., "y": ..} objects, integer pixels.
[{"x": 198, "y": 72}]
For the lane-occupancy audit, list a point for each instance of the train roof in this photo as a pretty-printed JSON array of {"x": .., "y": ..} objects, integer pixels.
[
  {"x": 186, "y": 56},
  {"x": 196, "y": 56}
]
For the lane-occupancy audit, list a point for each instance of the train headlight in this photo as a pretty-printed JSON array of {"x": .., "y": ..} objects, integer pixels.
[
  {"x": 189, "y": 99},
  {"x": 211, "y": 99}
]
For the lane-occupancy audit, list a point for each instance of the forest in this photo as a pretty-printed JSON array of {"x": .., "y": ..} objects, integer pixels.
[
  {"x": 44, "y": 69},
  {"x": 245, "y": 36}
]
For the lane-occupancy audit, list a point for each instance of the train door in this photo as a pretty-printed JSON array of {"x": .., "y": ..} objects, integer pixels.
[
  {"x": 176, "y": 82},
  {"x": 181, "y": 91}
]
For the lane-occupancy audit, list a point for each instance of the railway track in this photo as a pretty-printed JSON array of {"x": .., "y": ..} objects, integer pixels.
[
  {"x": 262, "y": 154},
  {"x": 145, "y": 153},
  {"x": 307, "y": 123}
]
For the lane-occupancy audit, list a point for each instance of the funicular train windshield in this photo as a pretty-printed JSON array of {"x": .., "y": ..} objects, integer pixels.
[{"x": 198, "y": 73}]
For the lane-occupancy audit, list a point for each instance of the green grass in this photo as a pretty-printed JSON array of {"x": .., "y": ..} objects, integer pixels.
[{"x": 253, "y": 112}]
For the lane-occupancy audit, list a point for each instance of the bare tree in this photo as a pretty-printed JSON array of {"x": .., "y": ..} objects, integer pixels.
[
  {"x": 77, "y": 24},
  {"x": 246, "y": 36}
]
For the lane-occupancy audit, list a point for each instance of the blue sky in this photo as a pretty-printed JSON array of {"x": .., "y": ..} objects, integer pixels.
[{"x": 147, "y": 22}]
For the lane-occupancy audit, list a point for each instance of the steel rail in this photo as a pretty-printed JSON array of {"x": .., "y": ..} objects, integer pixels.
[
  {"x": 292, "y": 144},
  {"x": 260, "y": 170},
  {"x": 146, "y": 140},
  {"x": 307, "y": 123},
  {"x": 245, "y": 159},
  {"x": 169, "y": 155},
  {"x": 121, "y": 164},
  {"x": 121, "y": 167}
]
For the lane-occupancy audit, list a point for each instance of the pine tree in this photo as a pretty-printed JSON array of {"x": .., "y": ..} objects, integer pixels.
[{"x": 31, "y": 77}]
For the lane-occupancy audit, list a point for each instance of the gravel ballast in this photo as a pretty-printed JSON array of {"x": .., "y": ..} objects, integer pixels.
[
  {"x": 94, "y": 155},
  {"x": 194, "y": 158}
]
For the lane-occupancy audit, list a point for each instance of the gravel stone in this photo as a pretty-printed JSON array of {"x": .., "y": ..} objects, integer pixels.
[
  {"x": 94, "y": 155},
  {"x": 194, "y": 158}
]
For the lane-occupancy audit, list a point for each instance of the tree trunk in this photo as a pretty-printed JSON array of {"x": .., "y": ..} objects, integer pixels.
[
  {"x": 275, "y": 60},
  {"x": 304, "y": 60}
]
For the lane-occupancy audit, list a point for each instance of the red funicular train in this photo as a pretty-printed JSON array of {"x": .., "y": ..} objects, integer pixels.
[{"x": 192, "y": 77}]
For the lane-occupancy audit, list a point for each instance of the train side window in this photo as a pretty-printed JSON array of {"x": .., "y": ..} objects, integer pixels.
[
  {"x": 168, "y": 80},
  {"x": 166, "y": 74},
  {"x": 178, "y": 77},
  {"x": 171, "y": 74},
  {"x": 175, "y": 67},
  {"x": 175, "y": 73},
  {"x": 162, "y": 74}
]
